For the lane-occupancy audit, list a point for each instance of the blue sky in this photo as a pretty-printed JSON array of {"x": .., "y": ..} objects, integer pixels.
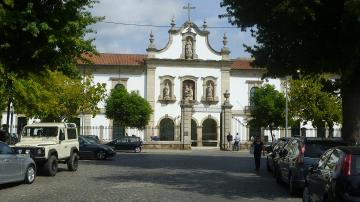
[{"x": 114, "y": 38}]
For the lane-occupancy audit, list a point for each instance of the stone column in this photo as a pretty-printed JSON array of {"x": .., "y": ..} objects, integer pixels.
[
  {"x": 186, "y": 114},
  {"x": 199, "y": 136},
  {"x": 225, "y": 120},
  {"x": 150, "y": 97}
]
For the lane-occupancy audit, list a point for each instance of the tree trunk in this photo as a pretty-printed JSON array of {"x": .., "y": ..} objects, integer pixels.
[{"x": 351, "y": 114}]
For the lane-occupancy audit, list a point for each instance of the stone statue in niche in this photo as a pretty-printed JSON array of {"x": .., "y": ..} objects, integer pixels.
[
  {"x": 166, "y": 91},
  {"x": 188, "y": 92},
  {"x": 188, "y": 49},
  {"x": 209, "y": 92}
]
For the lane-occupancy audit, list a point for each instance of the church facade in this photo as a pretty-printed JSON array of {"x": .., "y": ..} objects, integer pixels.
[{"x": 197, "y": 93}]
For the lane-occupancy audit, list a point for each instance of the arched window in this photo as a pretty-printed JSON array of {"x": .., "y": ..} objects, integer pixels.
[
  {"x": 252, "y": 94},
  {"x": 119, "y": 85},
  {"x": 167, "y": 130}
]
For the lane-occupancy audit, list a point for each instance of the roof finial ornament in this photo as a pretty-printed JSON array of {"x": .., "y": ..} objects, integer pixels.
[
  {"x": 189, "y": 7},
  {"x": 225, "y": 40},
  {"x": 225, "y": 50},
  {"x": 151, "y": 39},
  {"x": 205, "y": 24},
  {"x": 173, "y": 23}
]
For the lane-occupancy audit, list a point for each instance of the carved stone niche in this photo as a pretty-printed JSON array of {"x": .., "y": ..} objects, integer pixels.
[
  {"x": 188, "y": 46},
  {"x": 189, "y": 89},
  {"x": 167, "y": 90},
  {"x": 209, "y": 91}
]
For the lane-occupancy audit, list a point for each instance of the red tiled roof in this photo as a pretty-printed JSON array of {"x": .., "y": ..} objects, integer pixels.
[
  {"x": 116, "y": 59},
  {"x": 138, "y": 59},
  {"x": 239, "y": 64}
]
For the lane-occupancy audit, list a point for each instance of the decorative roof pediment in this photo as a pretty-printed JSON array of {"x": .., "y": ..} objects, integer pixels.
[{"x": 187, "y": 42}]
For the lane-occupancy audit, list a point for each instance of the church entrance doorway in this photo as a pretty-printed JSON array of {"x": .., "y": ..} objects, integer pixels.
[
  {"x": 209, "y": 132},
  {"x": 167, "y": 130},
  {"x": 194, "y": 134}
]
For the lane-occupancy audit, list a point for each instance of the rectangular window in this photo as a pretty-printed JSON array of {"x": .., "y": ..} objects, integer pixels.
[{"x": 71, "y": 133}]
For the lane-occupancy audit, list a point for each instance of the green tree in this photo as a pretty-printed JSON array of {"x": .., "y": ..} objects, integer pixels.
[
  {"x": 38, "y": 35},
  {"x": 43, "y": 35},
  {"x": 309, "y": 101},
  {"x": 268, "y": 108},
  {"x": 128, "y": 109},
  {"x": 53, "y": 96},
  {"x": 313, "y": 36}
]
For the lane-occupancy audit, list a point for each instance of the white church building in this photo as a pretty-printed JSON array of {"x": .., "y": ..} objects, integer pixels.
[
  {"x": 198, "y": 94},
  {"x": 166, "y": 76}
]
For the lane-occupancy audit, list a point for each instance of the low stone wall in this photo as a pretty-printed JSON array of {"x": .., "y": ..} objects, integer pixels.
[{"x": 166, "y": 145}]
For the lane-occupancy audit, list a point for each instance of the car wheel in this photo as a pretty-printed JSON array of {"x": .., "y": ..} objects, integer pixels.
[
  {"x": 306, "y": 194},
  {"x": 51, "y": 166},
  {"x": 100, "y": 155},
  {"x": 292, "y": 186},
  {"x": 30, "y": 174},
  {"x": 73, "y": 162},
  {"x": 137, "y": 149}
]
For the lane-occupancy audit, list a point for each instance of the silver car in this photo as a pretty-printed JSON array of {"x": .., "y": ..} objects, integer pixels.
[{"x": 15, "y": 167}]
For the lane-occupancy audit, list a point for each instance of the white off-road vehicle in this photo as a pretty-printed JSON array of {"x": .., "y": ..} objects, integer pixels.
[{"x": 49, "y": 144}]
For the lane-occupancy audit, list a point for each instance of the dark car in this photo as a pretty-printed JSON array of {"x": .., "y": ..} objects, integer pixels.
[
  {"x": 336, "y": 177},
  {"x": 92, "y": 138},
  {"x": 297, "y": 156},
  {"x": 15, "y": 167},
  {"x": 89, "y": 149},
  {"x": 273, "y": 152},
  {"x": 126, "y": 143}
]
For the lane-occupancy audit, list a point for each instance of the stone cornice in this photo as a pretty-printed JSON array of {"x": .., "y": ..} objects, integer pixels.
[{"x": 188, "y": 63}]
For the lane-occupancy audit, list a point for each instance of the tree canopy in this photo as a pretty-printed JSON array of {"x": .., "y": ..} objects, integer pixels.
[
  {"x": 39, "y": 35},
  {"x": 53, "y": 96},
  {"x": 309, "y": 101},
  {"x": 313, "y": 36},
  {"x": 268, "y": 108},
  {"x": 128, "y": 109}
]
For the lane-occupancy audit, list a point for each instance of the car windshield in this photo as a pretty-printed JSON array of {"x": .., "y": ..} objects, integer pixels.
[
  {"x": 91, "y": 140},
  {"x": 4, "y": 149},
  {"x": 83, "y": 140},
  {"x": 40, "y": 132},
  {"x": 316, "y": 149}
]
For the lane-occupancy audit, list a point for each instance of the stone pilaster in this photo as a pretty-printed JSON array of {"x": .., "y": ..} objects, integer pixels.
[
  {"x": 225, "y": 80},
  {"x": 226, "y": 116},
  {"x": 150, "y": 97},
  {"x": 186, "y": 114},
  {"x": 199, "y": 136}
]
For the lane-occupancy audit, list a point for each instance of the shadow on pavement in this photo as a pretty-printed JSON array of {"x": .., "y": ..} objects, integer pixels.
[{"x": 228, "y": 176}]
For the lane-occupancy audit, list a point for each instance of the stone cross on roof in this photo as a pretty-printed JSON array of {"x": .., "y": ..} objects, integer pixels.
[{"x": 189, "y": 7}]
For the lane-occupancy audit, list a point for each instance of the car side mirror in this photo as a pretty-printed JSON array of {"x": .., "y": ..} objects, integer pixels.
[{"x": 62, "y": 137}]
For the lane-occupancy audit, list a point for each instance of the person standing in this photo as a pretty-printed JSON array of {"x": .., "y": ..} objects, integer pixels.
[
  {"x": 229, "y": 138},
  {"x": 258, "y": 149},
  {"x": 236, "y": 142}
]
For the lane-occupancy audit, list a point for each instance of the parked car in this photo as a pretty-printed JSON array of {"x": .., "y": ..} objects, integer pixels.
[
  {"x": 336, "y": 177},
  {"x": 15, "y": 167},
  {"x": 92, "y": 138},
  {"x": 296, "y": 157},
  {"x": 126, "y": 143},
  {"x": 273, "y": 152},
  {"x": 89, "y": 149}
]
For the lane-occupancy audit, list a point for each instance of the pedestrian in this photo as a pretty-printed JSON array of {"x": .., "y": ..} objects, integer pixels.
[
  {"x": 236, "y": 142},
  {"x": 3, "y": 133},
  {"x": 258, "y": 149},
  {"x": 229, "y": 138}
]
